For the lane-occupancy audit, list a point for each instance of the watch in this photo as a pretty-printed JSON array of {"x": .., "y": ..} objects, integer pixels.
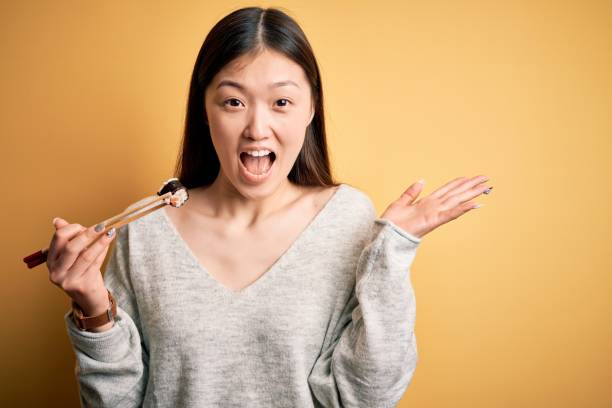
[{"x": 89, "y": 322}]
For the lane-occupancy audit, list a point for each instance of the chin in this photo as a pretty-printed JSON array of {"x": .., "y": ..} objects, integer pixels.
[{"x": 261, "y": 190}]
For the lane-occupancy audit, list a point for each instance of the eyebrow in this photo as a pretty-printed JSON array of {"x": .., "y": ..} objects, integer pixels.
[{"x": 227, "y": 82}]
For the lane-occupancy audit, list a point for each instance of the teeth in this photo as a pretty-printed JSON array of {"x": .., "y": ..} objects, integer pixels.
[{"x": 258, "y": 153}]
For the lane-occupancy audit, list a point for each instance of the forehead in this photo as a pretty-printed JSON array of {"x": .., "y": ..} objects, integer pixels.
[{"x": 263, "y": 67}]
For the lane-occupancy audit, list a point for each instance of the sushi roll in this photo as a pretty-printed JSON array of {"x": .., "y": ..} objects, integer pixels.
[{"x": 179, "y": 192}]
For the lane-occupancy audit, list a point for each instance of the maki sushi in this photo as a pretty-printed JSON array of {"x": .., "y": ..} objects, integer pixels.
[{"x": 179, "y": 192}]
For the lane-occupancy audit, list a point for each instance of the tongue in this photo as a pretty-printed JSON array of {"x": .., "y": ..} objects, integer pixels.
[{"x": 257, "y": 165}]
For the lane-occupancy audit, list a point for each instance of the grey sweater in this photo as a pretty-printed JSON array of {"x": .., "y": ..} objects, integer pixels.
[{"x": 330, "y": 324}]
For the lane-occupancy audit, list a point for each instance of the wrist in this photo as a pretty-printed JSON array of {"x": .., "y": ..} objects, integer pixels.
[
  {"x": 99, "y": 321},
  {"x": 105, "y": 327},
  {"x": 93, "y": 302}
]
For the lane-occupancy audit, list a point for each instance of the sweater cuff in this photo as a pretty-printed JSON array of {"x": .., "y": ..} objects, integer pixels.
[
  {"x": 384, "y": 222},
  {"x": 387, "y": 257},
  {"x": 107, "y": 346}
]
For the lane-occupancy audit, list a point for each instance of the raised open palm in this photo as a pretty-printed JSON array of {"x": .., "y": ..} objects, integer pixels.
[{"x": 443, "y": 205}]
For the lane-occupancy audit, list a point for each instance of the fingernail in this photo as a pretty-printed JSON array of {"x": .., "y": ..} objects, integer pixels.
[
  {"x": 488, "y": 190},
  {"x": 110, "y": 232},
  {"x": 421, "y": 181},
  {"x": 99, "y": 227},
  {"x": 55, "y": 219},
  {"x": 478, "y": 206}
]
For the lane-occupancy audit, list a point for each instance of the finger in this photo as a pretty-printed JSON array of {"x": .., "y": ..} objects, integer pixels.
[
  {"x": 74, "y": 246},
  {"x": 59, "y": 223},
  {"x": 456, "y": 211},
  {"x": 472, "y": 193},
  {"x": 464, "y": 193},
  {"x": 61, "y": 238},
  {"x": 96, "y": 266},
  {"x": 459, "y": 185},
  {"x": 411, "y": 193},
  {"x": 73, "y": 283},
  {"x": 448, "y": 186},
  {"x": 91, "y": 257},
  {"x": 442, "y": 191}
]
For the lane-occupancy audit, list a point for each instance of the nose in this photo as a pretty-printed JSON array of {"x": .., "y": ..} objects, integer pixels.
[{"x": 259, "y": 124}]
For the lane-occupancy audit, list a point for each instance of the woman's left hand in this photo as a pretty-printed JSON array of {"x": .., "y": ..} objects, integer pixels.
[{"x": 443, "y": 205}]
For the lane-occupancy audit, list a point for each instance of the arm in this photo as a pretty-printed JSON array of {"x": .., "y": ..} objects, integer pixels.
[
  {"x": 372, "y": 354},
  {"x": 112, "y": 365}
]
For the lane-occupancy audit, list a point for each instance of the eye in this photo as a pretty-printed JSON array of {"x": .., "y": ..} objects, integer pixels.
[
  {"x": 286, "y": 102},
  {"x": 233, "y": 102}
]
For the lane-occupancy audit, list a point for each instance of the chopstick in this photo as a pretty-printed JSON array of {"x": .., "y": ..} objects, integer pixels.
[{"x": 115, "y": 221}]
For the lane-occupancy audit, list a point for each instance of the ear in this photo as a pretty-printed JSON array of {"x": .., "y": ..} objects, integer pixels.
[{"x": 312, "y": 112}]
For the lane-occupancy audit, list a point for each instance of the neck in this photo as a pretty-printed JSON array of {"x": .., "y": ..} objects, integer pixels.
[{"x": 247, "y": 208}]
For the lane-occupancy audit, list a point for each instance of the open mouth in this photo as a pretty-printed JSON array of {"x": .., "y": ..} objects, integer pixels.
[{"x": 257, "y": 165}]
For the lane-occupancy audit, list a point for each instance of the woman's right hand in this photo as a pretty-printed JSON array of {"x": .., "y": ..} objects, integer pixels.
[{"x": 75, "y": 268}]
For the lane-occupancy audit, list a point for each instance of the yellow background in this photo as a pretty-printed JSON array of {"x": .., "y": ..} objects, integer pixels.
[{"x": 513, "y": 299}]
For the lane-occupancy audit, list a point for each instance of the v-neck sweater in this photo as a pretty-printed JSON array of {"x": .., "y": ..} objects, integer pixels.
[{"x": 329, "y": 324}]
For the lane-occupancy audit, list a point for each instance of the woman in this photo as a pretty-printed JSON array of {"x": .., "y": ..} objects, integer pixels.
[{"x": 273, "y": 285}]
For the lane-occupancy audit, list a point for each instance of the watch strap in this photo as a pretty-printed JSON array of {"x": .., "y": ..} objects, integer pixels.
[{"x": 90, "y": 322}]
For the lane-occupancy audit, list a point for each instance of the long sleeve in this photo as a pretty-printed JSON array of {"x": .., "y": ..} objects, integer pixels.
[
  {"x": 372, "y": 355},
  {"x": 112, "y": 366}
]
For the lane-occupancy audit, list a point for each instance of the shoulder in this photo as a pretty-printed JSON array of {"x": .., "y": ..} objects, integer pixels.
[
  {"x": 352, "y": 213},
  {"x": 357, "y": 201}
]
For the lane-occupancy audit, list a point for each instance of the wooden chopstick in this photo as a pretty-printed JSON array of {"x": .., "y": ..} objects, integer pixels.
[
  {"x": 115, "y": 221},
  {"x": 124, "y": 221},
  {"x": 115, "y": 218}
]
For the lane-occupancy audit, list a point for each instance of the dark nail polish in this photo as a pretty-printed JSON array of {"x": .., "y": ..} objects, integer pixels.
[
  {"x": 488, "y": 190},
  {"x": 110, "y": 232},
  {"x": 99, "y": 227}
]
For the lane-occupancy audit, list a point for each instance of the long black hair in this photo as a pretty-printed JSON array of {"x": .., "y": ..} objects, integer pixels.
[{"x": 240, "y": 32}]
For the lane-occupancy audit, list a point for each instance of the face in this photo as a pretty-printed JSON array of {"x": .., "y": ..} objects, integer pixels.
[{"x": 258, "y": 102}]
